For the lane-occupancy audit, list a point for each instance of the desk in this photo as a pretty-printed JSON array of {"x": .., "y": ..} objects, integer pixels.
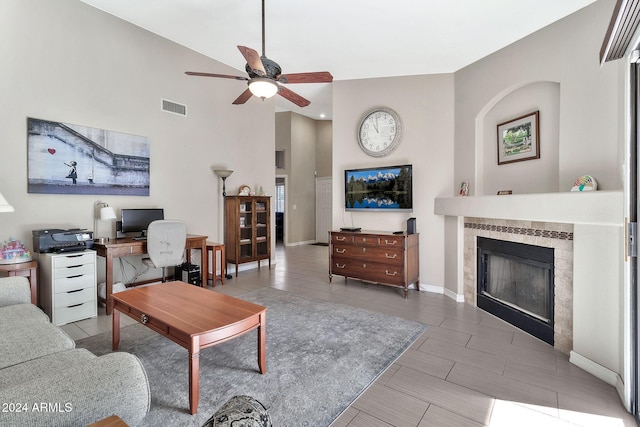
[
  {"x": 27, "y": 269},
  {"x": 118, "y": 248}
]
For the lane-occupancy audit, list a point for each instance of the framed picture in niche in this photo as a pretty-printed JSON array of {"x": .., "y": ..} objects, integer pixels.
[{"x": 519, "y": 139}]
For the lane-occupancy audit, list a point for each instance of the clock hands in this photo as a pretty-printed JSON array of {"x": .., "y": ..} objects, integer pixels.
[{"x": 375, "y": 125}]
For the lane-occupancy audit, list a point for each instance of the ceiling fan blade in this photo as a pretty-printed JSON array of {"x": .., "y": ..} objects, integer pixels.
[
  {"x": 253, "y": 59},
  {"x": 316, "y": 77},
  {"x": 244, "y": 97},
  {"x": 224, "y": 76},
  {"x": 293, "y": 97}
]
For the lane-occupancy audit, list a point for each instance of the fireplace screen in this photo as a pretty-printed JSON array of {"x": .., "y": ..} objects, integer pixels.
[
  {"x": 521, "y": 285},
  {"x": 516, "y": 283}
]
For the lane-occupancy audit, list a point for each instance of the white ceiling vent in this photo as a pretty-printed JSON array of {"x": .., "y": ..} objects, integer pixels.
[{"x": 174, "y": 107}]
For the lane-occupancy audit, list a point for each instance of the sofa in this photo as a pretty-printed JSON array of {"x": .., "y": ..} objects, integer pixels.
[{"x": 46, "y": 381}]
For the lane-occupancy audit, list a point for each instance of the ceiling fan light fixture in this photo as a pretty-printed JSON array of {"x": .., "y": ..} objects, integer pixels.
[{"x": 263, "y": 87}]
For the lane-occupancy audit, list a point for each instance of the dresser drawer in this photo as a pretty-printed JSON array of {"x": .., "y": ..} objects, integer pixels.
[
  {"x": 395, "y": 241},
  {"x": 389, "y": 255},
  {"x": 366, "y": 239},
  {"x": 74, "y": 259},
  {"x": 74, "y": 283},
  {"x": 79, "y": 296},
  {"x": 73, "y": 271},
  {"x": 371, "y": 271},
  {"x": 341, "y": 238},
  {"x": 64, "y": 315}
]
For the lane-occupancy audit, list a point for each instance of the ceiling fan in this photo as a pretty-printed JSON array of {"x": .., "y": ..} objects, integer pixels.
[{"x": 265, "y": 76}]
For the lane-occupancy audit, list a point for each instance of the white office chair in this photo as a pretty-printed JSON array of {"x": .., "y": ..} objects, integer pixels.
[{"x": 166, "y": 240}]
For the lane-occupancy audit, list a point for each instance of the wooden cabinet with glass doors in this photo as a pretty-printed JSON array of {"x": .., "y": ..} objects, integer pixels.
[{"x": 247, "y": 232}]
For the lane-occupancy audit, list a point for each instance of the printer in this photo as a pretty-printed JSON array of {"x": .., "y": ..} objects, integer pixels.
[{"x": 57, "y": 240}]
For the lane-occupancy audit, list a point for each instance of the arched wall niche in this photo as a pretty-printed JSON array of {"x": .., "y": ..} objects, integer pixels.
[{"x": 524, "y": 177}]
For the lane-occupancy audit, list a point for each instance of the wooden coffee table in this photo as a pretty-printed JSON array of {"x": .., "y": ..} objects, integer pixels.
[{"x": 192, "y": 317}]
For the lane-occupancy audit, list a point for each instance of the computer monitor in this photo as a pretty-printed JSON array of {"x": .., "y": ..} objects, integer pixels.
[{"x": 138, "y": 220}]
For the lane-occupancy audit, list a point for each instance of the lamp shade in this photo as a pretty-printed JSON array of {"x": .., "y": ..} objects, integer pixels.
[
  {"x": 4, "y": 205},
  {"x": 263, "y": 87},
  {"x": 107, "y": 213},
  {"x": 223, "y": 173}
]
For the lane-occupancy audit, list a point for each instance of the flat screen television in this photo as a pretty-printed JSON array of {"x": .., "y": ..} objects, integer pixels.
[
  {"x": 388, "y": 188},
  {"x": 138, "y": 220}
]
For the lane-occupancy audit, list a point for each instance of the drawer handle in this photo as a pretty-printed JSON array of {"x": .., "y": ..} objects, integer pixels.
[
  {"x": 340, "y": 266},
  {"x": 74, "y": 266},
  {"x": 340, "y": 239},
  {"x": 73, "y": 256},
  {"x": 75, "y": 290},
  {"x": 76, "y": 276},
  {"x": 340, "y": 251},
  {"x": 395, "y": 273},
  {"x": 391, "y": 257},
  {"x": 144, "y": 318},
  {"x": 390, "y": 242},
  {"x": 75, "y": 305}
]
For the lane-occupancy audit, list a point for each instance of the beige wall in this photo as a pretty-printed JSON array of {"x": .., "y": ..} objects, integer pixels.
[
  {"x": 69, "y": 62},
  {"x": 324, "y": 148},
  {"x": 425, "y": 106},
  {"x": 307, "y": 144},
  {"x": 590, "y": 103}
]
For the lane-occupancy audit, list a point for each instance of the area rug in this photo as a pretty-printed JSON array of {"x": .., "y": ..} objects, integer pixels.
[{"x": 320, "y": 357}]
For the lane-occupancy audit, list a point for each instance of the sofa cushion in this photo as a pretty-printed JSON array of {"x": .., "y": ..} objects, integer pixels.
[
  {"x": 49, "y": 365},
  {"x": 14, "y": 290},
  {"x": 29, "y": 340},
  {"x": 113, "y": 384},
  {"x": 20, "y": 313}
]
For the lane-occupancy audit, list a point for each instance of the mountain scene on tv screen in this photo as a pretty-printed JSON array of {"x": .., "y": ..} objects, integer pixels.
[{"x": 379, "y": 189}]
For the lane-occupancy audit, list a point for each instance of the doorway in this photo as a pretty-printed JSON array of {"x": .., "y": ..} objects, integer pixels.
[{"x": 280, "y": 208}]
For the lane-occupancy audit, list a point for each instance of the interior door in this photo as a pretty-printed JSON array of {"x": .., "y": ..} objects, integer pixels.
[{"x": 323, "y": 209}]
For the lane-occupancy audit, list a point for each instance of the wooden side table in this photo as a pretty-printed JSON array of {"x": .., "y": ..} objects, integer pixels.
[
  {"x": 112, "y": 421},
  {"x": 213, "y": 248},
  {"x": 28, "y": 269}
]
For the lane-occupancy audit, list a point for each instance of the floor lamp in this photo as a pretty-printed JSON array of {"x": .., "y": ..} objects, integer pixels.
[{"x": 224, "y": 174}]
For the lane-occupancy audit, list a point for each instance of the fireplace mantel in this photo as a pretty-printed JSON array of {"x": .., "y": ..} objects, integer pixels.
[
  {"x": 597, "y": 221},
  {"x": 593, "y": 207}
]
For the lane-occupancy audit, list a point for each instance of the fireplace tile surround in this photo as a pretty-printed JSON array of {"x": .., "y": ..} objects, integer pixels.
[{"x": 558, "y": 236}]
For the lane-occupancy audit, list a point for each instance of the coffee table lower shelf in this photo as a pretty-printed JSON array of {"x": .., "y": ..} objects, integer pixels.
[{"x": 194, "y": 318}]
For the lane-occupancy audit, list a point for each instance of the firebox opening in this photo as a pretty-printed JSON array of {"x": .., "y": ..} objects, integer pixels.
[{"x": 516, "y": 284}]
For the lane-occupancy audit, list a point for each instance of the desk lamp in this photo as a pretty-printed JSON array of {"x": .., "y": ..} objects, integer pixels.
[
  {"x": 4, "y": 205},
  {"x": 105, "y": 213}
]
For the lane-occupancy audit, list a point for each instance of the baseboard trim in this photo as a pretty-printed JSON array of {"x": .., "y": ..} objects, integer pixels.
[
  {"x": 598, "y": 371},
  {"x": 431, "y": 288},
  {"x": 453, "y": 295}
]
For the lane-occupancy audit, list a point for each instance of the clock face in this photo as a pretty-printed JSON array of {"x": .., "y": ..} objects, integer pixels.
[{"x": 380, "y": 132}]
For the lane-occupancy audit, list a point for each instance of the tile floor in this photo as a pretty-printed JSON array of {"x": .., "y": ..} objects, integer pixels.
[{"x": 468, "y": 369}]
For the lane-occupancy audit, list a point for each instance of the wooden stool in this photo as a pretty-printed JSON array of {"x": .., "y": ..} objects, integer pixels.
[{"x": 213, "y": 248}]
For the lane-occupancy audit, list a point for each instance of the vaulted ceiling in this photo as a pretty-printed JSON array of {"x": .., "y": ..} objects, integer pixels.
[{"x": 352, "y": 39}]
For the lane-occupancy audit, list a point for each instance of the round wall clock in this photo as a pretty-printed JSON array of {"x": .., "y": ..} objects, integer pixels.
[{"x": 380, "y": 132}]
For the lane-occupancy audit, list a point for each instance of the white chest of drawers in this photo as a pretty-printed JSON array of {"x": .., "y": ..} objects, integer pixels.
[{"x": 68, "y": 286}]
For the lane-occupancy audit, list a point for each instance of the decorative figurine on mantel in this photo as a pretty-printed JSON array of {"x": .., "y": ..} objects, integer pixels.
[
  {"x": 585, "y": 183},
  {"x": 261, "y": 191}
]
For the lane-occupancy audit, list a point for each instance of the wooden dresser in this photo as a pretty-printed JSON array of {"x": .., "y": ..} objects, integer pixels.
[{"x": 375, "y": 256}]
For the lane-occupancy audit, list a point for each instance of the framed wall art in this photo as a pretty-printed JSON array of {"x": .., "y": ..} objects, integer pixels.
[
  {"x": 73, "y": 159},
  {"x": 519, "y": 139}
]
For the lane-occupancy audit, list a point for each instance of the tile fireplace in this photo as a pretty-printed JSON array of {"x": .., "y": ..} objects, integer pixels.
[{"x": 537, "y": 253}]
